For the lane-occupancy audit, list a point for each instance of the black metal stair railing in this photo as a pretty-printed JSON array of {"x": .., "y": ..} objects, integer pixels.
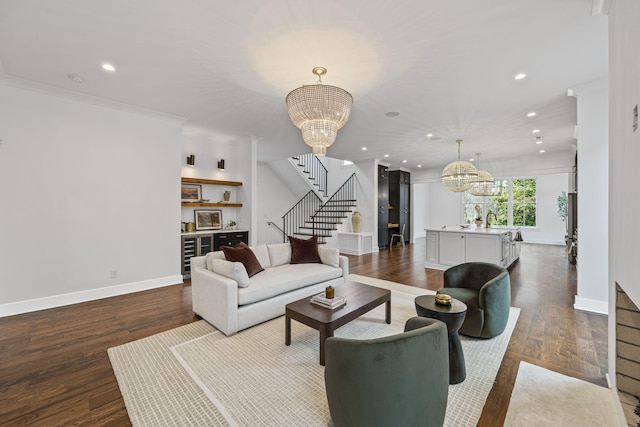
[
  {"x": 298, "y": 215},
  {"x": 334, "y": 210},
  {"x": 315, "y": 169}
]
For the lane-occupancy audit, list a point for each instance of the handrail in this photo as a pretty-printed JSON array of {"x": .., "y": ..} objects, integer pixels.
[
  {"x": 316, "y": 170},
  {"x": 346, "y": 193},
  {"x": 300, "y": 213},
  {"x": 279, "y": 229}
]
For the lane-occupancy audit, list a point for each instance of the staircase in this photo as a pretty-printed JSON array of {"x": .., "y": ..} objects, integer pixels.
[
  {"x": 310, "y": 217},
  {"x": 315, "y": 171}
]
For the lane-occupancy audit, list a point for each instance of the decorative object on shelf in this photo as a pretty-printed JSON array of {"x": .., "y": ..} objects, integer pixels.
[
  {"x": 221, "y": 164},
  {"x": 191, "y": 192},
  {"x": 356, "y": 221},
  {"x": 319, "y": 111},
  {"x": 483, "y": 184},
  {"x": 189, "y": 227},
  {"x": 443, "y": 299},
  {"x": 227, "y": 195},
  {"x": 191, "y": 160},
  {"x": 478, "y": 216},
  {"x": 232, "y": 225},
  {"x": 208, "y": 219},
  {"x": 459, "y": 175}
]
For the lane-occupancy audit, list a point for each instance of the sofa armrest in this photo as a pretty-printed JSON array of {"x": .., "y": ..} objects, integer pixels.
[
  {"x": 215, "y": 298},
  {"x": 343, "y": 263}
]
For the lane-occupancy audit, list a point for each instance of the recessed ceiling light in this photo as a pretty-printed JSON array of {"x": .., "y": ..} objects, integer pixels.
[
  {"x": 392, "y": 114},
  {"x": 108, "y": 67},
  {"x": 520, "y": 76},
  {"x": 404, "y": 161},
  {"x": 535, "y": 131},
  {"x": 419, "y": 166},
  {"x": 538, "y": 140},
  {"x": 472, "y": 160},
  {"x": 531, "y": 114},
  {"x": 364, "y": 148},
  {"x": 386, "y": 155},
  {"x": 429, "y": 135},
  {"x": 541, "y": 151}
]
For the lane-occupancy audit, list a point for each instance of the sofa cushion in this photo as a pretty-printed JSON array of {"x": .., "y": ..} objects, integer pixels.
[
  {"x": 243, "y": 253},
  {"x": 304, "y": 251},
  {"x": 284, "y": 278},
  {"x": 279, "y": 254},
  {"x": 262, "y": 253},
  {"x": 232, "y": 270},
  {"x": 329, "y": 256},
  {"x": 211, "y": 256}
]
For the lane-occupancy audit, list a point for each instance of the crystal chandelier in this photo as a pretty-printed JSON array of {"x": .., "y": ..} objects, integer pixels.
[
  {"x": 319, "y": 111},
  {"x": 483, "y": 184},
  {"x": 459, "y": 175}
]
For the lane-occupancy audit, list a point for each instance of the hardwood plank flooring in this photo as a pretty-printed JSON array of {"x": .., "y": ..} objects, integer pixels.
[{"x": 54, "y": 369}]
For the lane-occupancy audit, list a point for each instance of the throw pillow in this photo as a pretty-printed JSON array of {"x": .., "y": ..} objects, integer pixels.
[
  {"x": 243, "y": 253},
  {"x": 232, "y": 270},
  {"x": 304, "y": 251},
  {"x": 330, "y": 256}
]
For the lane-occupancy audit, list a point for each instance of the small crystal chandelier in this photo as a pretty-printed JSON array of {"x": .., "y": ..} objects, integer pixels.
[
  {"x": 483, "y": 184},
  {"x": 459, "y": 175},
  {"x": 319, "y": 111}
]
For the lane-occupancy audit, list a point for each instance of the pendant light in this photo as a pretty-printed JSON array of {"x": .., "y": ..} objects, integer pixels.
[{"x": 459, "y": 175}]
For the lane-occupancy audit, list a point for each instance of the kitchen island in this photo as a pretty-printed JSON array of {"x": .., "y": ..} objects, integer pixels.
[{"x": 452, "y": 245}]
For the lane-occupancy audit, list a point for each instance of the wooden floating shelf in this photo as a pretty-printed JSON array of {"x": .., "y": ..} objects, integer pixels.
[
  {"x": 211, "y": 181},
  {"x": 213, "y": 205}
]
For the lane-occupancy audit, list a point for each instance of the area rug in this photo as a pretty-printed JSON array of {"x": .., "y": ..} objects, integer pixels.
[
  {"x": 194, "y": 375},
  {"x": 542, "y": 397}
]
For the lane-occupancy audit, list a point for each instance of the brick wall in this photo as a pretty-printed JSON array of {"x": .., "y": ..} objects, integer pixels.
[{"x": 627, "y": 354}]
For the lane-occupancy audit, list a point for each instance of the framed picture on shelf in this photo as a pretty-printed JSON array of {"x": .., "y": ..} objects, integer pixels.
[
  {"x": 191, "y": 192},
  {"x": 210, "y": 219}
]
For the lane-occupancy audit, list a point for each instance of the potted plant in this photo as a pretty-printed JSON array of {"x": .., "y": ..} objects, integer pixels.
[{"x": 232, "y": 225}]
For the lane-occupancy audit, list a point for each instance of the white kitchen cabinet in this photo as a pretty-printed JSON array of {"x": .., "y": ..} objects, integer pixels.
[
  {"x": 453, "y": 245},
  {"x": 452, "y": 248}
]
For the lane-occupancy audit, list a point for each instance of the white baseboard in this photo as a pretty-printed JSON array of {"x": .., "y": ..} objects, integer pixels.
[
  {"x": 53, "y": 301},
  {"x": 600, "y": 307}
]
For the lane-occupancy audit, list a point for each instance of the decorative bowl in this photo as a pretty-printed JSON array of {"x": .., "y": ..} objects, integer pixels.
[
  {"x": 443, "y": 299},
  {"x": 204, "y": 200},
  {"x": 465, "y": 225}
]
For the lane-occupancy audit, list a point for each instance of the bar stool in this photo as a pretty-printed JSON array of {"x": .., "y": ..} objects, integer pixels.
[{"x": 400, "y": 235}]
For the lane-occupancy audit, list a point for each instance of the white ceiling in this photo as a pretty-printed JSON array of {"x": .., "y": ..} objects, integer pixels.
[{"x": 447, "y": 67}]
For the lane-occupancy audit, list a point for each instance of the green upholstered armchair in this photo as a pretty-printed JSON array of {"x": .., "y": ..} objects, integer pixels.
[
  {"x": 486, "y": 290},
  {"x": 399, "y": 380}
]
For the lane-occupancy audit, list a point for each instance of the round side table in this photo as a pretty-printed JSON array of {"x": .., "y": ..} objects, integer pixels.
[{"x": 453, "y": 316}]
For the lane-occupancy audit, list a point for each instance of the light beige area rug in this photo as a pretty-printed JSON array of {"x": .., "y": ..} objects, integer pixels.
[
  {"x": 196, "y": 376},
  {"x": 545, "y": 398}
]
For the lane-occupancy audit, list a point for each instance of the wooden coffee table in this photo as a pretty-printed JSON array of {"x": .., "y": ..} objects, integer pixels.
[{"x": 361, "y": 298}]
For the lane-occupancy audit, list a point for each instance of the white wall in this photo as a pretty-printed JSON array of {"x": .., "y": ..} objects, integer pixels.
[
  {"x": 85, "y": 189},
  {"x": 624, "y": 152},
  {"x": 273, "y": 200},
  {"x": 210, "y": 147},
  {"x": 624, "y": 147},
  {"x": 419, "y": 210},
  {"x": 593, "y": 172}
]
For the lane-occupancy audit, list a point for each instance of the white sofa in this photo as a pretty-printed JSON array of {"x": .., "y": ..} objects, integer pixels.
[{"x": 224, "y": 296}]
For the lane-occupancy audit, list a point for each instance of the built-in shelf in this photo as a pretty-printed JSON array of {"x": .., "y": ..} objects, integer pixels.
[
  {"x": 211, "y": 181},
  {"x": 212, "y": 205}
]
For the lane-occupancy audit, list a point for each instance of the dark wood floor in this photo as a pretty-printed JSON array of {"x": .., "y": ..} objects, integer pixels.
[{"x": 54, "y": 369}]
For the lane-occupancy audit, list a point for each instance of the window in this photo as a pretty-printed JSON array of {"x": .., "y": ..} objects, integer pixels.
[{"x": 515, "y": 206}]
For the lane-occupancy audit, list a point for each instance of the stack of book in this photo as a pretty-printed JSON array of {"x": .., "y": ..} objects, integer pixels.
[{"x": 331, "y": 303}]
